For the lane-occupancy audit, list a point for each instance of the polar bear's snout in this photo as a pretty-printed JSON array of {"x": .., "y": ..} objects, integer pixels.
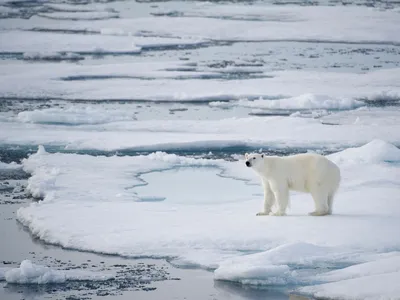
[{"x": 248, "y": 164}]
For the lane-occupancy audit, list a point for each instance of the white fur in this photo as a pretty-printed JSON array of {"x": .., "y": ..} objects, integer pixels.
[{"x": 309, "y": 173}]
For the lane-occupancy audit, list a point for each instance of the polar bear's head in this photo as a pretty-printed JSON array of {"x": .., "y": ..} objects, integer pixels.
[{"x": 255, "y": 161}]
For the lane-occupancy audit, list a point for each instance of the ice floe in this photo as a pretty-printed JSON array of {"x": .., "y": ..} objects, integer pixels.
[
  {"x": 243, "y": 247},
  {"x": 30, "y": 273}
]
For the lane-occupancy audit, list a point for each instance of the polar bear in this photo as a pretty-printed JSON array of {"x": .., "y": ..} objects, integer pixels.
[{"x": 308, "y": 172}]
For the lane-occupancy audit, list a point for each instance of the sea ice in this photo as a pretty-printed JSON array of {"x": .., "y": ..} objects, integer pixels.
[
  {"x": 21, "y": 41},
  {"x": 30, "y": 273},
  {"x": 302, "y": 102},
  {"x": 274, "y": 23},
  {"x": 155, "y": 135},
  {"x": 367, "y": 205},
  {"x": 123, "y": 82}
]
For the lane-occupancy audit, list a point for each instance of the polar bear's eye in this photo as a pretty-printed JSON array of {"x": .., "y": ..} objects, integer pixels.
[{"x": 254, "y": 158}]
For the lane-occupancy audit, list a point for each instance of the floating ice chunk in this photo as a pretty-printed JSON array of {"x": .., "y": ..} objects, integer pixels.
[
  {"x": 30, "y": 273},
  {"x": 3, "y": 273},
  {"x": 375, "y": 151},
  {"x": 10, "y": 166},
  {"x": 302, "y": 102},
  {"x": 256, "y": 274}
]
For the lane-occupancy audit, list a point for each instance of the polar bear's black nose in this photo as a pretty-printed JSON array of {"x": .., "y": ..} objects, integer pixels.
[{"x": 248, "y": 163}]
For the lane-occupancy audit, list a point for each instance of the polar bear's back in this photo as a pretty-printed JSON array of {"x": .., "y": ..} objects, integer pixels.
[{"x": 305, "y": 171}]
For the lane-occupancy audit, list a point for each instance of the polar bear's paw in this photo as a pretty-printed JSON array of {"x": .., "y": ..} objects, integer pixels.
[
  {"x": 262, "y": 213},
  {"x": 319, "y": 213},
  {"x": 278, "y": 214}
]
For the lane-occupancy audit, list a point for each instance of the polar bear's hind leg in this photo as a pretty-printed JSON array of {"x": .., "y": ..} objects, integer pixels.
[
  {"x": 331, "y": 196},
  {"x": 321, "y": 203}
]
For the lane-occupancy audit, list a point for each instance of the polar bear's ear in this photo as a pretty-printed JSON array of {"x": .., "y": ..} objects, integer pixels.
[{"x": 246, "y": 155}]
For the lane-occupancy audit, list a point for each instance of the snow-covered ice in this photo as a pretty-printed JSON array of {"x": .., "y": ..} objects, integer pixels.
[
  {"x": 277, "y": 23},
  {"x": 372, "y": 280},
  {"x": 22, "y": 41},
  {"x": 30, "y": 273},
  {"x": 74, "y": 116},
  {"x": 331, "y": 89},
  {"x": 367, "y": 205}
]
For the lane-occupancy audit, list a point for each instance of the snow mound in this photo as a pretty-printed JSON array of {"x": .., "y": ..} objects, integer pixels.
[
  {"x": 30, "y": 273},
  {"x": 375, "y": 151}
]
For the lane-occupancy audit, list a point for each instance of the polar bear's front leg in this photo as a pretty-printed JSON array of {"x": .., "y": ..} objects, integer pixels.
[
  {"x": 269, "y": 199},
  {"x": 281, "y": 194}
]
